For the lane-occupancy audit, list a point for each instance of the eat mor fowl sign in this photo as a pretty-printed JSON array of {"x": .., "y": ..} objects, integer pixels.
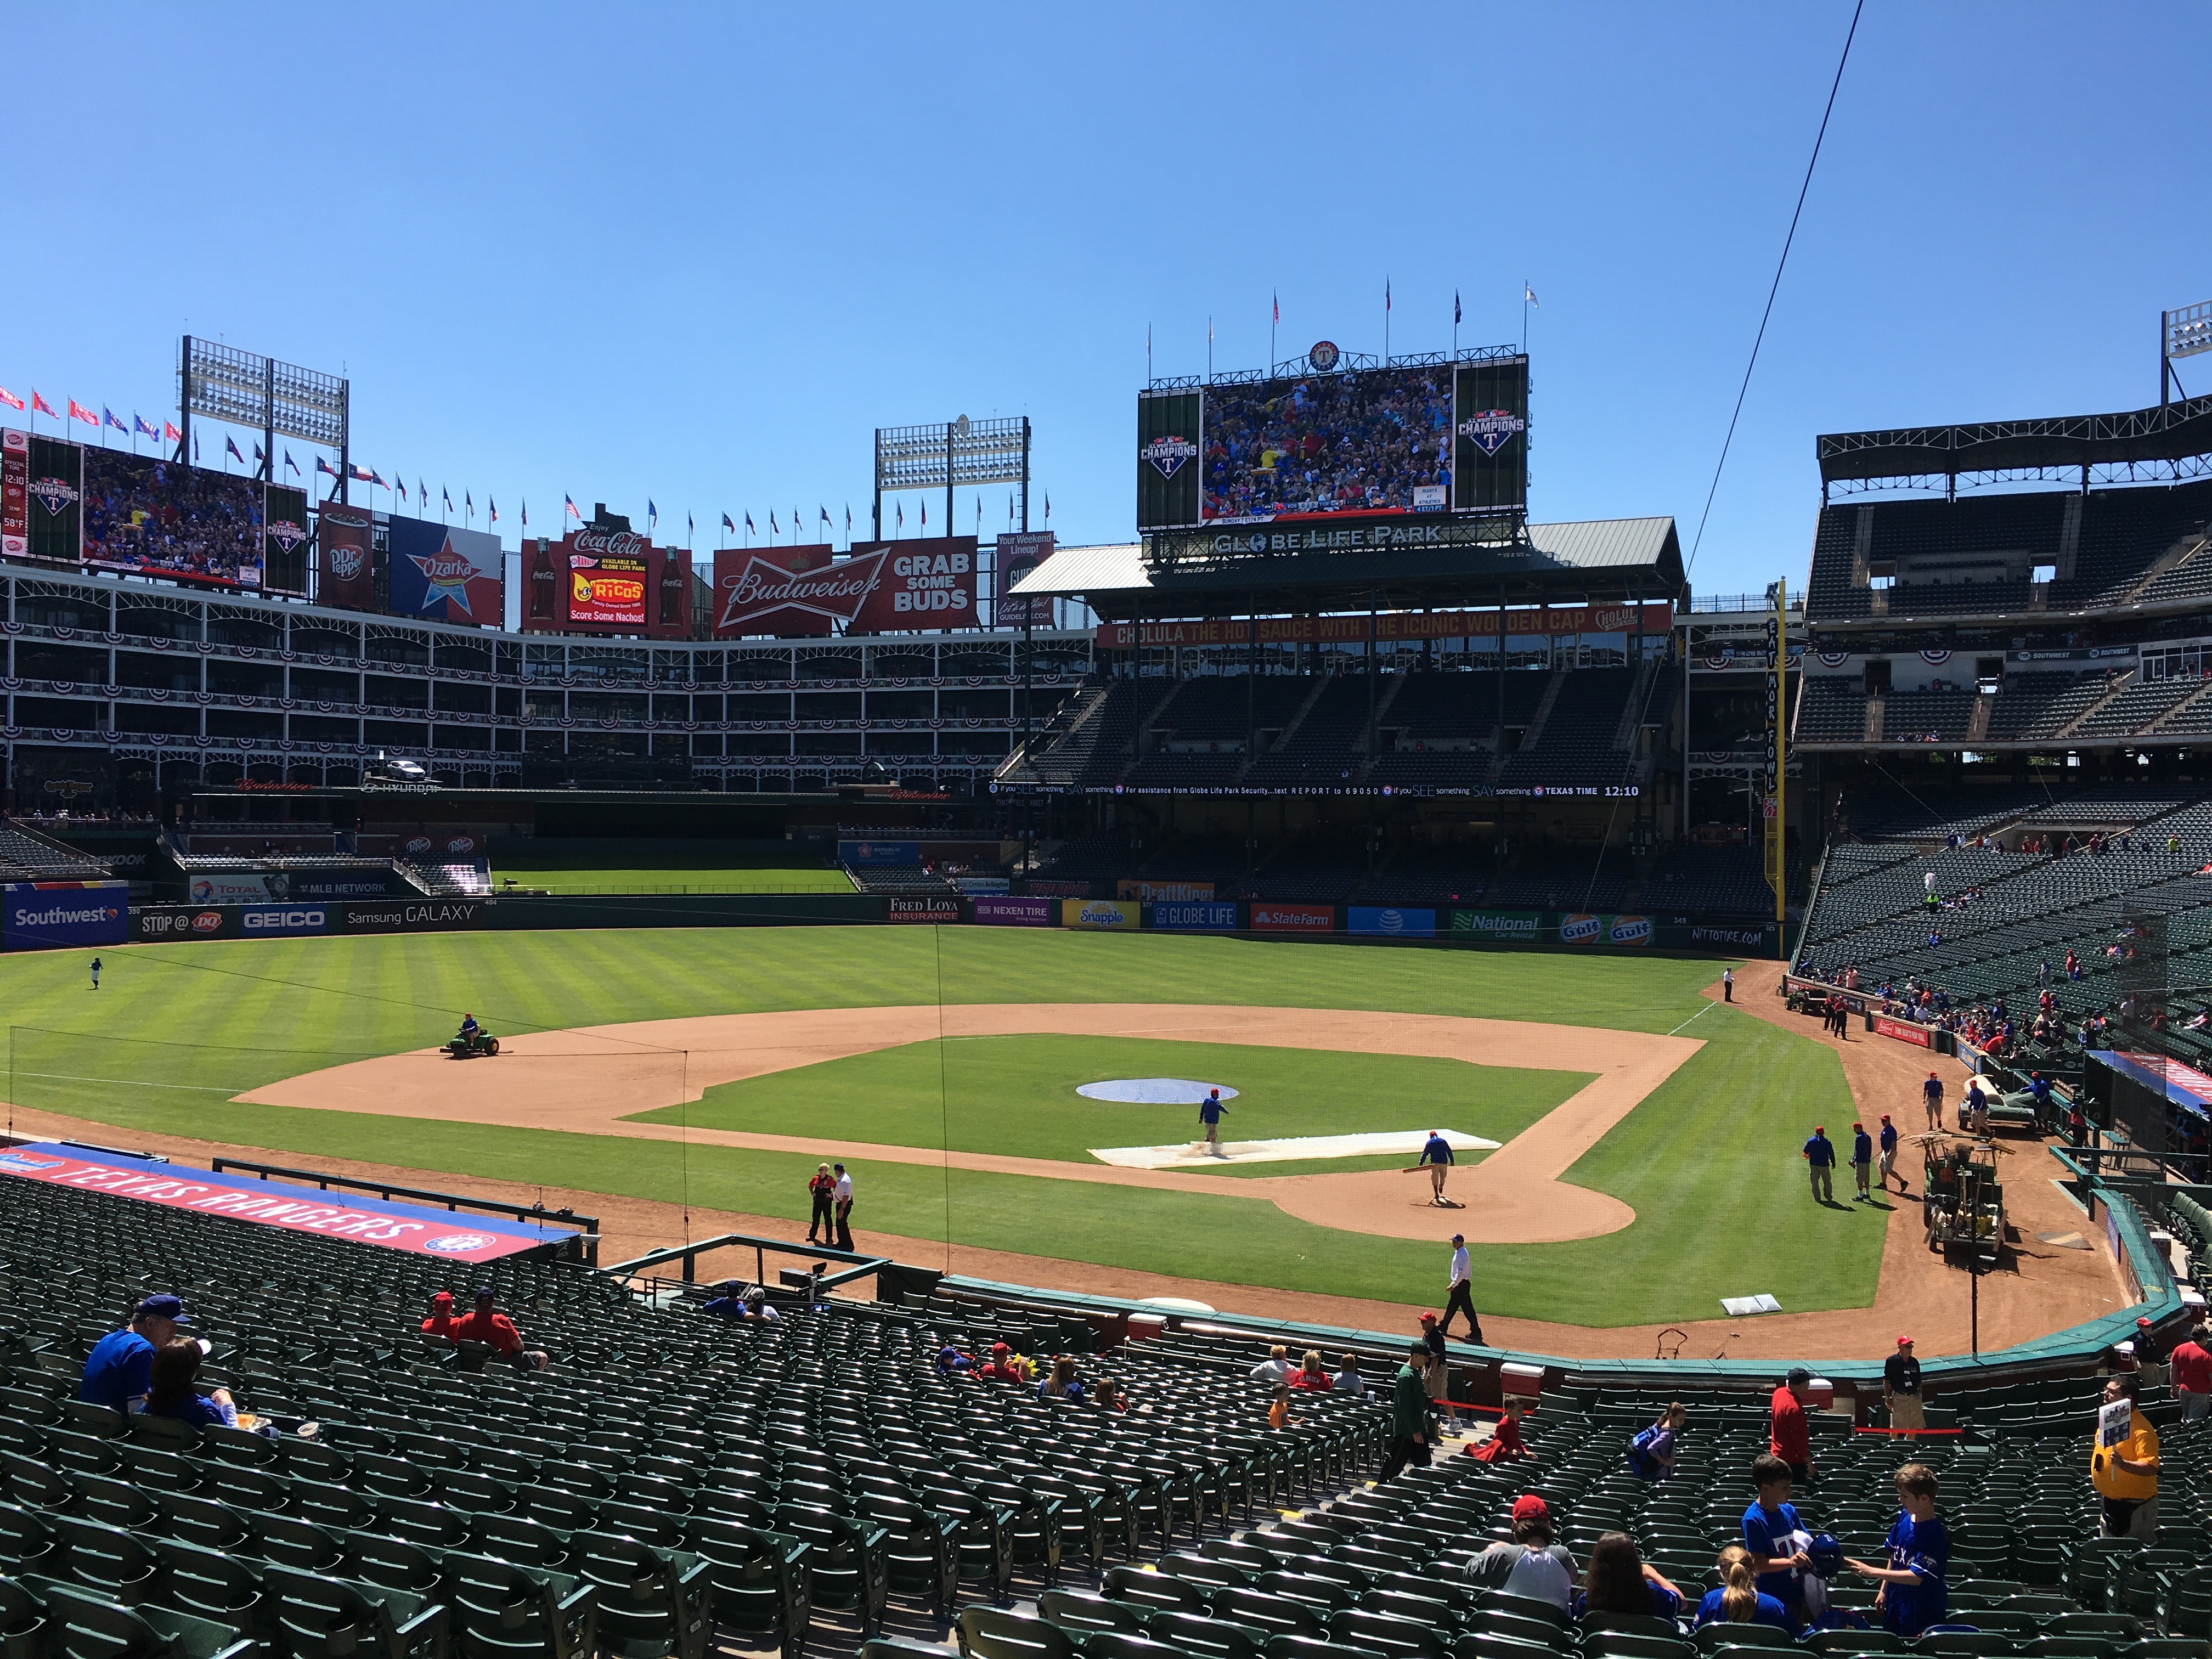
[{"x": 881, "y": 587}]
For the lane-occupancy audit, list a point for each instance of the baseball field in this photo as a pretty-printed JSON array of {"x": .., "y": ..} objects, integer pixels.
[{"x": 1629, "y": 1145}]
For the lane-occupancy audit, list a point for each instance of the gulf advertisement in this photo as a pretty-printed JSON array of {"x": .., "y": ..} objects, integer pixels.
[
  {"x": 1208, "y": 917},
  {"x": 38, "y": 916},
  {"x": 878, "y": 587},
  {"x": 1098, "y": 915},
  {"x": 416, "y": 1229},
  {"x": 1017, "y": 912},
  {"x": 447, "y": 574}
]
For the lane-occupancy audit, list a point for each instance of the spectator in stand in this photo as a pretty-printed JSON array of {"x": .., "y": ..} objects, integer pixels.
[
  {"x": 1063, "y": 1379},
  {"x": 1278, "y": 1409},
  {"x": 757, "y": 1306},
  {"x": 1774, "y": 1539},
  {"x": 1002, "y": 1368},
  {"x": 119, "y": 1372},
  {"x": 1275, "y": 1367},
  {"x": 1534, "y": 1566},
  {"x": 1900, "y": 1386},
  {"x": 1411, "y": 1433},
  {"x": 1348, "y": 1379},
  {"x": 1107, "y": 1395},
  {"x": 1820, "y": 1156},
  {"x": 1312, "y": 1375},
  {"x": 1739, "y": 1601},
  {"x": 441, "y": 1321},
  {"x": 174, "y": 1396},
  {"x": 823, "y": 1190},
  {"x": 1620, "y": 1581},
  {"x": 1788, "y": 1437},
  {"x": 2190, "y": 1366},
  {"x": 1914, "y": 1594},
  {"x": 1505, "y": 1444},
  {"x": 2123, "y": 1463},
  {"x": 1652, "y": 1451},
  {"x": 493, "y": 1328},
  {"x": 731, "y": 1303},
  {"x": 1861, "y": 1162},
  {"x": 1439, "y": 1372}
]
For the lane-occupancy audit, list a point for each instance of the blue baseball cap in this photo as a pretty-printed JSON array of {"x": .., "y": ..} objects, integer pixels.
[{"x": 163, "y": 1306}]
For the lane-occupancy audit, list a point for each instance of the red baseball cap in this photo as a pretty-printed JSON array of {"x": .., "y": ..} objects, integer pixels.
[
  {"x": 2142, "y": 1324},
  {"x": 1903, "y": 1342},
  {"x": 1885, "y": 1117},
  {"x": 1428, "y": 1319},
  {"x": 1528, "y": 1505}
]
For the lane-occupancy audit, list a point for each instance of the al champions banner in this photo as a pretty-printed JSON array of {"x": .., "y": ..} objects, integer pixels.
[
  {"x": 446, "y": 573},
  {"x": 880, "y": 587}
]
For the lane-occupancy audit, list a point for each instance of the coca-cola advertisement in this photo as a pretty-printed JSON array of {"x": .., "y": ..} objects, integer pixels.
[
  {"x": 448, "y": 575},
  {"x": 343, "y": 538},
  {"x": 608, "y": 573}
]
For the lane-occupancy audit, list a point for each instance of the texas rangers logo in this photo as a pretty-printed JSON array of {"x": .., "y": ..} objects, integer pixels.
[
  {"x": 56, "y": 492},
  {"x": 286, "y": 535},
  {"x": 1169, "y": 454},
  {"x": 1489, "y": 430},
  {"x": 456, "y": 1244}
]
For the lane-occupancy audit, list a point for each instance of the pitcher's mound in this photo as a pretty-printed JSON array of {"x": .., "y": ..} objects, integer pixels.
[{"x": 1152, "y": 1090}]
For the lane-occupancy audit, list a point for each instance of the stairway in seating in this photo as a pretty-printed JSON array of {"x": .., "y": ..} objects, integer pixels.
[
  {"x": 1977, "y": 723},
  {"x": 1875, "y": 709},
  {"x": 1290, "y": 728},
  {"x": 1383, "y": 698},
  {"x": 1632, "y": 713},
  {"x": 2120, "y": 683},
  {"x": 1535, "y": 734}
]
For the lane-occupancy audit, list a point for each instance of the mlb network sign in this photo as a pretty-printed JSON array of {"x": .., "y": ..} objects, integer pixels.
[{"x": 46, "y": 915}]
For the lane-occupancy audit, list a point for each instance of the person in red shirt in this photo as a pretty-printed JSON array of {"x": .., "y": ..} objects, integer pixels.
[
  {"x": 2192, "y": 1366},
  {"x": 441, "y": 1321},
  {"x": 1788, "y": 1436},
  {"x": 1002, "y": 1368},
  {"x": 1312, "y": 1375},
  {"x": 497, "y": 1331}
]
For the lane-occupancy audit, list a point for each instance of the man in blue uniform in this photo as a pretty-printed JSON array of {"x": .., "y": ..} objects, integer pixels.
[
  {"x": 1209, "y": 1113},
  {"x": 1437, "y": 1155},
  {"x": 1861, "y": 1162},
  {"x": 1889, "y": 1165},
  {"x": 1820, "y": 1156}
]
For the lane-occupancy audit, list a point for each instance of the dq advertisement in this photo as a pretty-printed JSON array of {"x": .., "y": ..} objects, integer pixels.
[
  {"x": 343, "y": 538},
  {"x": 446, "y": 573},
  {"x": 37, "y": 915},
  {"x": 1098, "y": 914},
  {"x": 880, "y": 587},
  {"x": 416, "y": 1229}
]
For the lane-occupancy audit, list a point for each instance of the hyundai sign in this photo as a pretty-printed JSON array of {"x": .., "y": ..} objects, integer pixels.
[{"x": 44, "y": 914}]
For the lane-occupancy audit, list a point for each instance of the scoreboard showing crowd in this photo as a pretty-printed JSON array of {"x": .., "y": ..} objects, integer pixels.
[{"x": 1435, "y": 437}]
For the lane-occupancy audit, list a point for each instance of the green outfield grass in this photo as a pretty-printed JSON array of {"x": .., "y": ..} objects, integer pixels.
[
  {"x": 584, "y": 865},
  {"x": 1016, "y": 1096},
  {"x": 1708, "y": 1162}
]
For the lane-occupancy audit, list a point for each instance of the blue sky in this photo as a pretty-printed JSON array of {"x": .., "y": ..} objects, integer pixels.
[{"x": 698, "y": 254}]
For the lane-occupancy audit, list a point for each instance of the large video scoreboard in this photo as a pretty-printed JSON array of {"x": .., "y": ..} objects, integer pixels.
[{"x": 1441, "y": 437}]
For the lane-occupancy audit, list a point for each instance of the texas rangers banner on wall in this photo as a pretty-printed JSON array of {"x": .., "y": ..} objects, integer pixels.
[
  {"x": 416, "y": 1229},
  {"x": 448, "y": 574}
]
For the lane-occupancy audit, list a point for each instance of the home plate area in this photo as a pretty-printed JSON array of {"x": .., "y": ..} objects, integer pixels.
[{"x": 1193, "y": 1155}]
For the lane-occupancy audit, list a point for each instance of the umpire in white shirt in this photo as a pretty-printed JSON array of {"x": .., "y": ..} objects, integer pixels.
[{"x": 1461, "y": 1298}]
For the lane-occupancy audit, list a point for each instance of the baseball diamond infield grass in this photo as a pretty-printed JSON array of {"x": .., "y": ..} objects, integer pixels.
[
  {"x": 1016, "y": 1095},
  {"x": 570, "y": 865},
  {"x": 1708, "y": 1161}
]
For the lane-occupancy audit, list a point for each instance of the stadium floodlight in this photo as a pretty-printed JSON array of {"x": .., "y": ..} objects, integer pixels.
[
  {"x": 2189, "y": 330},
  {"x": 276, "y": 400},
  {"x": 950, "y": 453}
]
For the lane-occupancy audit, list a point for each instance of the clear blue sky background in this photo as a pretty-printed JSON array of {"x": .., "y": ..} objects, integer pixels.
[{"x": 699, "y": 254}]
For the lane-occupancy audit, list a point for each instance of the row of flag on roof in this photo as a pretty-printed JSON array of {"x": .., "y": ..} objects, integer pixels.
[{"x": 167, "y": 432}]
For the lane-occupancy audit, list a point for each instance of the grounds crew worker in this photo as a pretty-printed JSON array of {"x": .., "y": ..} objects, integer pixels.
[
  {"x": 1819, "y": 1154},
  {"x": 2123, "y": 1463},
  {"x": 1900, "y": 1386}
]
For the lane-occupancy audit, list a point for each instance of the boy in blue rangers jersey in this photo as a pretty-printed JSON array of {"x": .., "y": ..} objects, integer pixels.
[
  {"x": 1774, "y": 1539},
  {"x": 1913, "y": 1594}
]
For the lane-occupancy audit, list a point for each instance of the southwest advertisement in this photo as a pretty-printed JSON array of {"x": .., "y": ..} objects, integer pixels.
[{"x": 37, "y": 915}]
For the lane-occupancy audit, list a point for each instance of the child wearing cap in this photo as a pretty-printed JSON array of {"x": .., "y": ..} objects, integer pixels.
[{"x": 1534, "y": 1565}]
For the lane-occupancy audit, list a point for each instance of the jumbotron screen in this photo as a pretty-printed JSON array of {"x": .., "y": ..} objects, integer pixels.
[{"x": 1441, "y": 438}]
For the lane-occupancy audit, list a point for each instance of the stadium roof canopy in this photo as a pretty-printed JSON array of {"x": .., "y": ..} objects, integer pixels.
[
  {"x": 2169, "y": 434},
  {"x": 1600, "y": 560}
]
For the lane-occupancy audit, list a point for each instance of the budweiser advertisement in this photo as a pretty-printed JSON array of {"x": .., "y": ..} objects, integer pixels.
[
  {"x": 343, "y": 543},
  {"x": 606, "y": 578},
  {"x": 880, "y": 587},
  {"x": 1657, "y": 618}
]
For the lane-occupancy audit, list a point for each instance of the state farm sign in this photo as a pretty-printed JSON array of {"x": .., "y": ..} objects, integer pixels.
[{"x": 880, "y": 587}]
